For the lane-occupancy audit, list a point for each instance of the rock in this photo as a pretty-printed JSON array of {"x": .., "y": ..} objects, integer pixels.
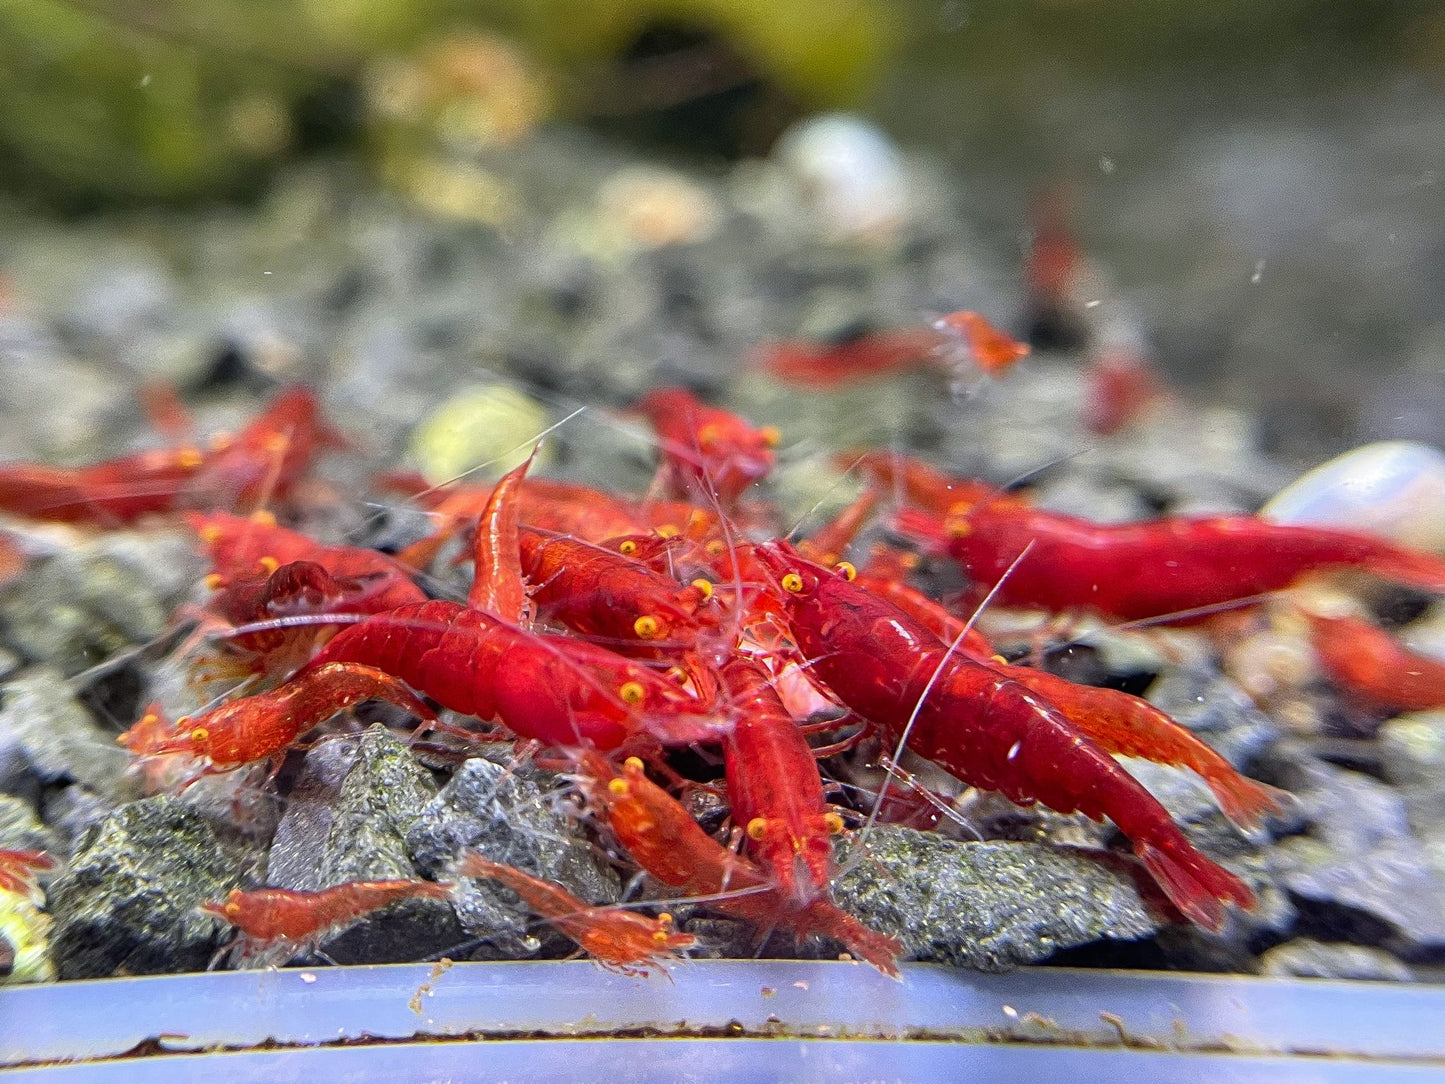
[
  {"x": 24, "y": 940},
  {"x": 87, "y": 603},
  {"x": 127, "y": 903},
  {"x": 20, "y": 830},
  {"x": 1388, "y": 895},
  {"x": 1352, "y": 812},
  {"x": 491, "y": 427},
  {"x": 47, "y": 733},
  {"x": 1412, "y": 749},
  {"x": 851, "y": 172},
  {"x": 510, "y": 817},
  {"x": 990, "y": 906},
  {"x": 349, "y": 823},
  {"x": 1304, "y": 958},
  {"x": 1393, "y": 488}
]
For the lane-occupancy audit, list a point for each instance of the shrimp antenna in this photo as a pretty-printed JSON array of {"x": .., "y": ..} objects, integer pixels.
[
  {"x": 933, "y": 680},
  {"x": 1166, "y": 619}
]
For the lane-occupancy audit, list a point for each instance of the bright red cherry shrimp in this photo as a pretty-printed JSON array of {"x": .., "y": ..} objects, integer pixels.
[
  {"x": 1122, "y": 724},
  {"x": 273, "y": 451},
  {"x": 863, "y": 355},
  {"x": 598, "y": 592},
  {"x": 706, "y": 451},
  {"x": 1133, "y": 571},
  {"x": 774, "y": 786},
  {"x": 265, "y": 725},
  {"x": 553, "y": 689},
  {"x": 18, "y": 871},
  {"x": 1373, "y": 668},
  {"x": 984, "y": 727},
  {"x": 275, "y": 925},
  {"x": 660, "y": 836},
  {"x": 618, "y": 939}
]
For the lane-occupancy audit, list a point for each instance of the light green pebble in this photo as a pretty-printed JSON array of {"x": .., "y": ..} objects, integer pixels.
[
  {"x": 488, "y": 428},
  {"x": 27, "y": 929}
]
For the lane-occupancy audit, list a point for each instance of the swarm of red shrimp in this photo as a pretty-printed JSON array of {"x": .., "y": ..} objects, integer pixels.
[{"x": 609, "y": 631}]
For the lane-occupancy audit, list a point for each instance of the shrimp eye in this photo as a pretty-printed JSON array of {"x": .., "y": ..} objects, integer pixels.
[
  {"x": 958, "y": 528},
  {"x": 704, "y": 587},
  {"x": 770, "y": 435},
  {"x": 665, "y": 919},
  {"x": 792, "y": 583},
  {"x": 200, "y": 736},
  {"x": 715, "y": 547},
  {"x": 757, "y": 829},
  {"x": 833, "y": 823},
  {"x": 270, "y": 564},
  {"x": 263, "y": 517},
  {"x": 846, "y": 570},
  {"x": 617, "y": 788},
  {"x": 628, "y": 548},
  {"x": 659, "y": 937},
  {"x": 647, "y": 627},
  {"x": 211, "y": 534},
  {"x": 677, "y": 674},
  {"x": 189, "y": 458},
  {"x": 634, "y": 764},
  {"x": 668, "y": 530},
  {"x": 632, "y": 692},
  {"x": 709, "y": 434},
  {"x": 215, "y": 581}
]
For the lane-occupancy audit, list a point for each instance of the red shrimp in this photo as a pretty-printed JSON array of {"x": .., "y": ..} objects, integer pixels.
[
  {"x": 707, "y": 451},
  {"x": 278, "y": 924},
  {"x": 917, "y": 482},
  {"x": 828, "y": 543},
  {"x": 1122, "y": 386},
  {"x": 553, "y": 689},
  {"x": 987, "y": 347},
  {"x": 774, "y": 787},
  {"x": 564, "y": 507},
  {"x": 268, "y": 457},
  {"x": 296, "y": 589},
  {"x": 661, "y": 838},
  {"x": 264, "y": 726},
  {"x": 617, "y": 939},
  {"x": 245, "y": 548},
  {"x": 18, "y": 870},
  {"x": 984, "y": 727},
  {"x": 1121, "y": 723},
  {"x": 112, "y": 493},
  {"x": 598, "y": 592},
  {"x": 1373, "y": 668},
  {"x": 1132, "y": 571},
  {"x": 864, "y": 355}
]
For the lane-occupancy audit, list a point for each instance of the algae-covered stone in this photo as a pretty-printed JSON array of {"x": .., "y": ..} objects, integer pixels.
[
  {"x": 510, "y": 818},
  {"x": 127, "y": 904},
  {"x": 24, "y": 940},
  {"x": 992, "y": 905},
  {"x": 357, "y": 801},
  {"x": 491, "y": 427}
]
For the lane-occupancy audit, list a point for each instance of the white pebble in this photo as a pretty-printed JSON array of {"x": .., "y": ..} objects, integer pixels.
[
  {"x": 1395, "y": 488},
  {"x": 852, "y": 171}
]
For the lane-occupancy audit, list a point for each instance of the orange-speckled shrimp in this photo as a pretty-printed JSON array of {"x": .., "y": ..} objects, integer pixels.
[
  {"x": 1132, "y": 571},
  {"x": 982, "y": 726},
  {"x": 18, "y": 870},
  {"x": 666, "y": 842},
  {"x": 264, "y": 726},
  {"x": 985, "y": 345},
  {"x": 276, "y": 924},
  {"x": 707, "y": 452},
  {"x": 1373, "y": 668},
  {"x": 617, "y": 939}
]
